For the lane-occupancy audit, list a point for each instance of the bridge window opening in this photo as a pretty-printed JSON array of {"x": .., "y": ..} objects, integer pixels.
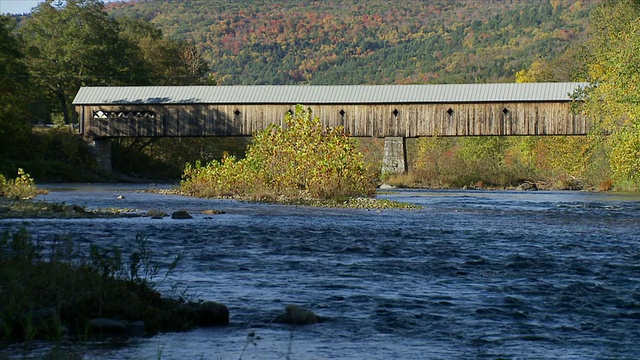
[
  {"x": 141, "y": 114},
  {"x": 505, "y": 111},
  {"x": 100, "y": 114},
  {"x": 288, "y": 113},
  {"x": 395, "y": 112},
  {"x": 450, "y": 112},
  {"x": 236, "y": 112},
  {"x": 342, "y": 112}
]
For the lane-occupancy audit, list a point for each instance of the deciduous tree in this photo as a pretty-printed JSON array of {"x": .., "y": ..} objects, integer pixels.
[
  {"x": 14, "y": 96},
  {"x": 613, "y": 98},
  {"x": 73, "y": 45}
]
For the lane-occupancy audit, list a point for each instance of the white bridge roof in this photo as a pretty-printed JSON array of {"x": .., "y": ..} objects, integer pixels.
[{"x": 327, "y": 94}]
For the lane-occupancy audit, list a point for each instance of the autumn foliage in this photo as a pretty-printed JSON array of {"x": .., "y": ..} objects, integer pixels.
[{"x": 300, "y": 160}]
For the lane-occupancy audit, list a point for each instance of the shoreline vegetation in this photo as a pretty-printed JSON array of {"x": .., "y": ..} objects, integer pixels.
[
  {"x": 52, "y": 290},
  {"x": 300, "y": 163}
]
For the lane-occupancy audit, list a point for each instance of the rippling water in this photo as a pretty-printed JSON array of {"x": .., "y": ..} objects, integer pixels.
[{"x": 475, "y": 274}]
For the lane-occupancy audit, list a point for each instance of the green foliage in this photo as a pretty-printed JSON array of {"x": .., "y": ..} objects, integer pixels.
[
  {"x": 76, "y": 43},
  {"x": 73, "y": 45},
  {"x": 53, "y": 274},
  {"x": 60, "y": 154},
  {"x": 613, "y": 98},
  {"x": 625, "y": 155},
  {"x": 15, "y": 89},
  {"x": 301, "y": 159},
  {"x": 165, "y": 61},
  {"x": 165, "y": 158},
  {"x": 557, "y": 162}
]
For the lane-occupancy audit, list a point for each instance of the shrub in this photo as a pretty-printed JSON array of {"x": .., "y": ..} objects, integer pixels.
[
  {"x": 300, "y": 160},
  {"x": 22, "y": 187}
]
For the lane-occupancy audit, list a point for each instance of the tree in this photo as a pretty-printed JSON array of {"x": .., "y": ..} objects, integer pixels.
[
  {"x": 613, "y": 98},
  {"x": 167, "y": 61},
  {"x": 76, "y": 45},
  {"x": 14, "y": 96}
]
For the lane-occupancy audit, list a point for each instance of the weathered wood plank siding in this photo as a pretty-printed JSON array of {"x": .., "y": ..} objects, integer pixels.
[{"x": 361, "y": 120}]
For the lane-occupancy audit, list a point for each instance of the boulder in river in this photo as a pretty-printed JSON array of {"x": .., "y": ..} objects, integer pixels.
[
  {"x": 205, "y": 314},
  {"x": 156, "y": 214},
  {"x": 210, "y": 313},
  {"x": 74, "y": 209},
  {"x": 107, "y": 326},
  {"x": 295, "y": 315},
  {"x": 181, "y": 214}
]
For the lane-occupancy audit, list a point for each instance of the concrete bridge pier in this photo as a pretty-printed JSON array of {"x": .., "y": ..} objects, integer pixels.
[
  {"x": 103, "y": 154},
  {"x": 394, "y": 160}
]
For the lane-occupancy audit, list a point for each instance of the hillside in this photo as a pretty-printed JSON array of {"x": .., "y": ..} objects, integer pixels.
[{"x": 367, "y": 42}]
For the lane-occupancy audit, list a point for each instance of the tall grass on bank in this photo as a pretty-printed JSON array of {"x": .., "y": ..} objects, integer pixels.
[
  {"x": 50, "y": 288},
  {"x": 298, "y": 161}
]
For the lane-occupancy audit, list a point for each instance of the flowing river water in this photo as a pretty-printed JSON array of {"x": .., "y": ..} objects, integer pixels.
[{"x": 474, "y": 274}]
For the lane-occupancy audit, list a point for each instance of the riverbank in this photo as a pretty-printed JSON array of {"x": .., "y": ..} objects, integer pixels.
[{"x": 51, "y": 290}]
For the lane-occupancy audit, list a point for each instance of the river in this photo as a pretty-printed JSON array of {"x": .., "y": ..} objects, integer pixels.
[{"x": 474, "y": 274}]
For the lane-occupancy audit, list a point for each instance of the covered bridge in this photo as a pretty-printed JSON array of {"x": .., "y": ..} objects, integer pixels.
[{"x": 390, "y": 111}]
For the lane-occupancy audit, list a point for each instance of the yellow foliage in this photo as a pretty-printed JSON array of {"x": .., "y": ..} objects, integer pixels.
[
  {"x": 22, "y": 187},
  {"x": 302, "y": 159},
  {"x": 613, "y": 100}
]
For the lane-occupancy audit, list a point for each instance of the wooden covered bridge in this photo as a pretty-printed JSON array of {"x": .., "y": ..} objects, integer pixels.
[{"x": 395, "y": 112}]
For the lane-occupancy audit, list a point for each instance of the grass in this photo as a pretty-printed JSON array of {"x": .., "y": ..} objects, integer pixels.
[{"x": 52, "y": 290}]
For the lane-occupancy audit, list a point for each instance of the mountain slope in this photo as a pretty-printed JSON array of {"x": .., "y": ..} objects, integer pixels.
[{"x": 368, "y": 42}]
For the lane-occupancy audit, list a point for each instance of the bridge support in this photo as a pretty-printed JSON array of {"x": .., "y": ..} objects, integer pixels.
[
  {"x": 103, "y": 154},
  {"x": 394, "y": 160}
]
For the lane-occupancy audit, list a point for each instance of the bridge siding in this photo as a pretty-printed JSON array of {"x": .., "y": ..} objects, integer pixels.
[{"x": 361, "y": 120}]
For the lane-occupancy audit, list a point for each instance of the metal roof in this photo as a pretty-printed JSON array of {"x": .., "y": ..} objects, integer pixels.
[{"x": 327, "y": 94}]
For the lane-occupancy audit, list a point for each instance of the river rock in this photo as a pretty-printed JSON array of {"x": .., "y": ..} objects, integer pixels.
[
  {"x": 181, "y": 214},
  {"x": 212, "y": 212},
  {"x": 107, "y": 326},
  {"x": 74, "y": 209},
  {"x": 295, "y": 315},
  {"x": 210, "y": 313},
  {"x": 203, "y": 314},
  {"x": 156, "y": 214},
  {"x": 386, "y": 187},
  {"x": 527, "y": 186}
]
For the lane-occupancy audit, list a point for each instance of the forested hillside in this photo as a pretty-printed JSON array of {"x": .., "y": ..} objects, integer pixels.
[
  {"x": 63, "y": 45},
  {"x": 367, "y": 42}
]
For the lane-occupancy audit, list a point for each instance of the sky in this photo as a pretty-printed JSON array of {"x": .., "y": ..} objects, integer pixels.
[{"x": 20, "y": 6}]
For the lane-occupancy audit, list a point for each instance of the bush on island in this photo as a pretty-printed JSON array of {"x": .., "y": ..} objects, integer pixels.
[{"x": 302, "y": 160}]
